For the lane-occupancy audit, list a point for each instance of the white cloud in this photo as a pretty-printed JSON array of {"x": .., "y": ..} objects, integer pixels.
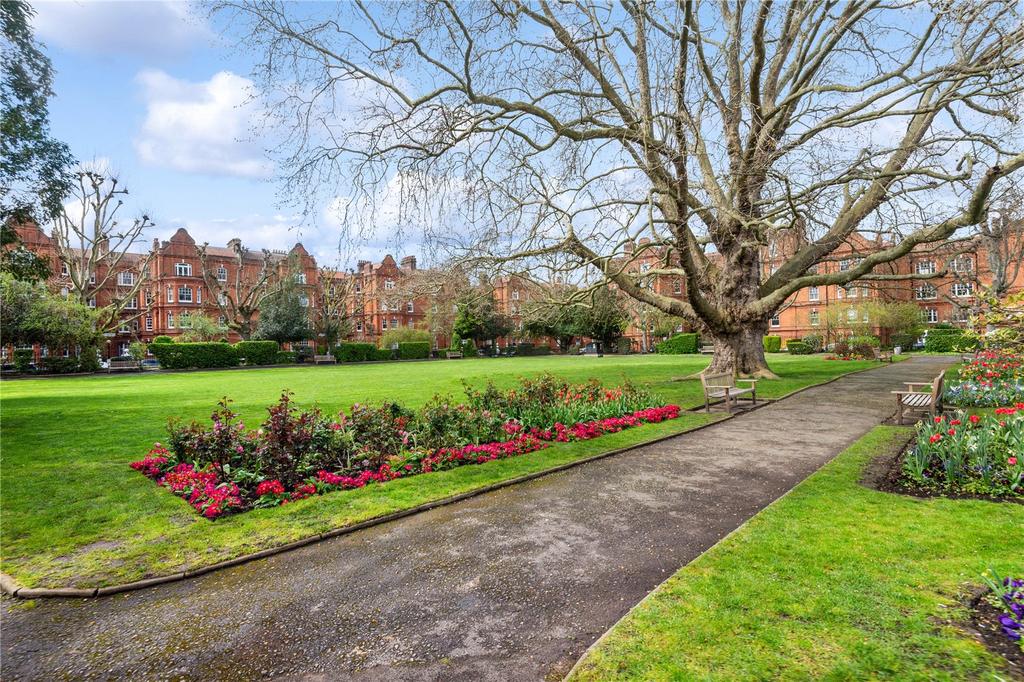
[
  {"x": 203, "y": 127},
  {"x": 152, "y": 28}
]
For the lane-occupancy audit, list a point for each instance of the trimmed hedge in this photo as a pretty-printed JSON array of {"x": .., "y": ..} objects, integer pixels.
[
  {"x": 60, "y": 365},
  {"x": 354, "y": 351},
  {"x": 815, "y": 342},
  {"x": 284, "y": 357},
  {"x": 163, "y": 338},
  {"x": 413, "y": 350},
  {"x": 868, "y": 340},
  {"x": 680, "y": 344},
  {"x": 946, "y": 340},
  {"x": 194, "y": 355},
  {"x": 772, "y": 344},
  {"x": 258, "y": 352},
  {"x": 799, "y": 348}
]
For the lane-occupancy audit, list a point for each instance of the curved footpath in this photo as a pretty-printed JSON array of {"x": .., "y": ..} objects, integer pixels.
[{"x": 511, "y": 585}]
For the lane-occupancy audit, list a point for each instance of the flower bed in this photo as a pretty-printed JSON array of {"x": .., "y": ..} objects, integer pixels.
[
  {"x": 989, "y": 380},
  {"x": 998, "y": 616},
  {"x": 225, "y": 468},
  {"x": 975, "y": 455}
]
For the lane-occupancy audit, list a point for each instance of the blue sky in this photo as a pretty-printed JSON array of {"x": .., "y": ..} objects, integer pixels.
[{"x": 150, "y": 89}]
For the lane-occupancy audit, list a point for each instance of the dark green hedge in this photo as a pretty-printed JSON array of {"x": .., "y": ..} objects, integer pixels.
[
  {"x": 284, "y": 357},
  {"x": 163, "y": 338},
  {"x": 414, "y": 350},
  {"x": 194, "y": 355},
  {"x": 799, "y": 348},
  {"x": 60, "y": 365},
  {"x": 946, "y": 340},
  {"x": 904, "y": 341},
  {"x": 353, "y": 351},
  {"x": 772, "y": 344},
  {"x": 23, "y": 358},
  {"x": 258, "y": 352},
  {"x": 679, "y": 344}
]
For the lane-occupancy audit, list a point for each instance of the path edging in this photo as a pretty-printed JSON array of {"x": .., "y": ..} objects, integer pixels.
[{"x": 11, "y": 587}]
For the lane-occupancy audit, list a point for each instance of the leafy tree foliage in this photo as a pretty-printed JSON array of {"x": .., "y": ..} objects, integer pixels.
[
  {"x": 29, "y": 314},
  {"x": 33, "y": 165},
  {"x": 283, "y": 318},
  {"x": 199, "y": 327},
  {"x": 17, "y": 260},
  {"x": 477, "y": 318}
]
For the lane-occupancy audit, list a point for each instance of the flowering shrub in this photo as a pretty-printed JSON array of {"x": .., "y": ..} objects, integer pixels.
[
  {"x": 989, "y": 380},
  {"x": 1007, "y": 595},
  {"x": 296, "y": 454},
  {"x": 975, "y": 454}
]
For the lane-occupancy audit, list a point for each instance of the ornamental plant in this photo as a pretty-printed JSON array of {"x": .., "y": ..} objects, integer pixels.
[
  {"x": 991, "y": 379},
  {"x": 294, "y": 454},
  {"x": 1007, "y": 595},
  {"x": 976, "y": 454}
]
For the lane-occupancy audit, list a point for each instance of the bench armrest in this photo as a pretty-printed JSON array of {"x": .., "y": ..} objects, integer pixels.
[
  {"x": 724, "y": 387},
  {"x": 911, "y": 385}
]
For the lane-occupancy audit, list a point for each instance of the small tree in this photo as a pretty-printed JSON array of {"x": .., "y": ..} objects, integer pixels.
[
  {"x": 478, "y": 319},
  {"x": 98, "y": 250},
  {"x": 30, "y": 314},
  {"x": 200, "y": 327},
  {"x": 240, "y": 299},
  {"x": 283, "y": 318},
  {"x": 330, "y": 316},
  {"x": 600, "y": 316}
]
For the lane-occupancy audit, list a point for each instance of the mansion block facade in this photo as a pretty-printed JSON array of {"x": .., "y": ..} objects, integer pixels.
[{"x": 180, "y": 277}]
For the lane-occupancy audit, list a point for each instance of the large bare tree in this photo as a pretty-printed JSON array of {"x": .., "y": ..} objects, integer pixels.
[
  {"x": 238, "y": 298},
  {"x": 97, "y": 250},
  {"x": 713, "y": 128}
]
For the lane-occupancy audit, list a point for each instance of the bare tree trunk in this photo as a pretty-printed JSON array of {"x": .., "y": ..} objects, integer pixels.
[{"x": 741, "y": 353}]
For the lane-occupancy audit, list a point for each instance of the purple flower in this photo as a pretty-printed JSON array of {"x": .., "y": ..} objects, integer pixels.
[{"x": 1009, "y": 622}]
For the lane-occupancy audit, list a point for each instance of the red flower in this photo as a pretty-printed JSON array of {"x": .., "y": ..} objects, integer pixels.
[
  {"x": 974, "y": 419},
  {"x": 273, "y": 487},
  {"x": 1012, "y": 461},
  {"x": 935, "y": 438}
]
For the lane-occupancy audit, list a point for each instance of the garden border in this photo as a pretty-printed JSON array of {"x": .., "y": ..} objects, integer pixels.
[{"x": 11, "y": 587}]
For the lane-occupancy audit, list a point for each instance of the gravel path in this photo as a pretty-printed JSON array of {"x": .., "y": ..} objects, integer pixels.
[{"x": 511, "y": 585}]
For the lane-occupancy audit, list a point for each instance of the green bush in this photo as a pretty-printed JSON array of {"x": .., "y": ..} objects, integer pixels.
[
  {"x": 383, "y": 354},
  {"x": 414, "y": 350},
  {"x": 814, "y": 341},
  {"x": 194, "y": 355},
  {"x": 60, "y": 365},
  {"x": 258, "y": 352},
  {"x": 468, "y": 348},
  {"x": 623, "y": 346},
  {"x": 354, "y": 351},
  {"x": 403, "y": 335},
  {"x": 867, "y": 340},
  {"x": 88, "y": 360},
  {"x": 679, "y": 344},
  {"x": 23, "y": 358},
  {"x": 542, "y": 350},
  {"x": 456, "y": 344},
  {"x": 303, "y": 353},
  {"x": 284, "y": 357},
  {"x": 772, "y": 344},
  {"x": 904, "y": 341},
  {"x": 799, "y": 348},
  {"x": 163, "y": 338},
  {"x": 944, "y": 339}
]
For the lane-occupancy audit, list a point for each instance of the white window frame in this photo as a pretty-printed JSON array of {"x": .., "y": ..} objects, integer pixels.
[
  {"x": 183, "y": 269},
  {"x": 515, "y": 295},
  {"x": 64, "y": 269},
  {"x": 931, "y": 315},
  {"x": 222, "y": 273},
  {"x": 149, "y": 323},
  {"x": 170, "y": 320},
  {"x": 776, "y": 321},
  {"x": 304, "y": 300},
  {"x": 170, "y": 294},
  {"x": 814, "y": 317},
  {"x": 925, "y": 292},
  {"x": 359, "y": 325},
  {"x": 813, "y": 294},
  {"x": 185, "y": 294},
  {"x": 962, "y": 289},
  {"x": 300, "y": 278},
  {"x": 925, "y": 267},
  {"x": 91, "y": 302},
  {"x": 132, "y": 304},
  {"x": 389, "y": 284},
  {"x": 410, "y": 307},
  {"x": 125, "y": 278}
]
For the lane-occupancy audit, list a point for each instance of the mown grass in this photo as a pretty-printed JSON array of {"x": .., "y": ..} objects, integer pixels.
[
  {"x": 73, "y": 513},
  {"x": 833, "y": 582}
]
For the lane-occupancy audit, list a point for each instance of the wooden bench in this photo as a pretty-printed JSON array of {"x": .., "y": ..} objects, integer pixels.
[
  {"x": 324, "y": 359},
  {"x": 913, "y": 400},
  {"x": 707, "y": 350},
  {"x": 882, "y": 355},
  {"x": 724, "y": 386},
  {"x": 122, "y": 364},
  {"x": 453, "y": 355}
]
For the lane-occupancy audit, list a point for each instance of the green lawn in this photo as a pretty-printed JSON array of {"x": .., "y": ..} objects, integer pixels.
[
  {"x": 833, "y": 582},
  {"x": 73, "y": 513}
]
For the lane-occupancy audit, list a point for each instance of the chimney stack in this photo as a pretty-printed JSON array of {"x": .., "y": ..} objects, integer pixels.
[{"x": 409, "y": 263}]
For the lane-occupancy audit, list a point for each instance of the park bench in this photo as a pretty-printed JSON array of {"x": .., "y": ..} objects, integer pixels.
[
  {"x": 324, "y": 359},
  {"x": 913, "y": 400},
  {"x": 707, "y": 350},
  {"x": 453, "y": 355},
  {"x": 122, "y": 364},
  {"x": 882, "y": 355},
  {"x": 724, "y": 386}
]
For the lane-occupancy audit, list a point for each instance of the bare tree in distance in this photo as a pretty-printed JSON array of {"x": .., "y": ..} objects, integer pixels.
[
  {"x": 714, "y": 129},
  {"x": 1002, "y": 239},
  {"x": 239, "y": 298},
  {"x": 96, "y": 249}
]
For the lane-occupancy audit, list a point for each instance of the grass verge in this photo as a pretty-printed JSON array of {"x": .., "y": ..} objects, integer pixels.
[
  {"x": 73, "y": 514},
  {"x": 833, "y": 582}
]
